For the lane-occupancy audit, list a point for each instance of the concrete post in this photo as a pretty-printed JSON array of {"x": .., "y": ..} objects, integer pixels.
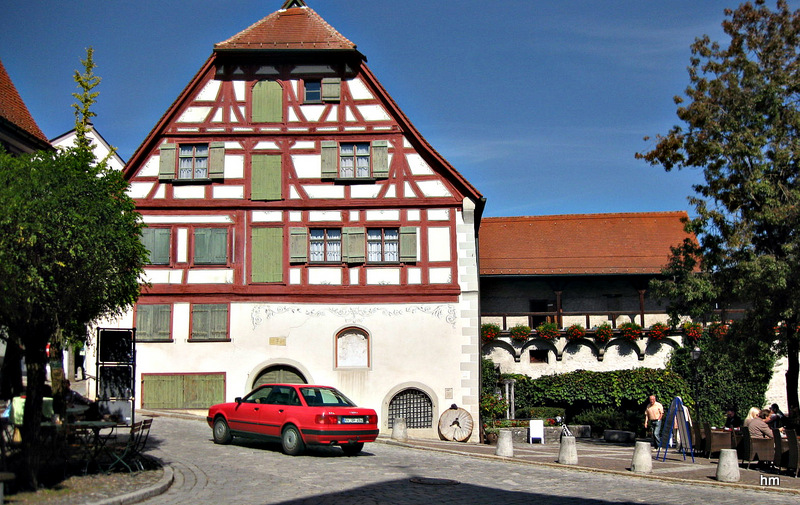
[
  {"x": 505, "y": 444},
  {"x": 728, "y": 466},
  {"x": 568, "y": 452},
  {"x": 399, "y": 430},
  {"x": 642, "y": 458}
]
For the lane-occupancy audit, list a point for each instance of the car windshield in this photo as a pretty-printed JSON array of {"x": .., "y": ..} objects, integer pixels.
[{"x": 325, "y": 397}]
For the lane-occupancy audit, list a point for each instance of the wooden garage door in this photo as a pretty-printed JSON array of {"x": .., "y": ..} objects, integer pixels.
[
  {"x": 281, "y": 374},
  {"x": 182, "y": 391}
]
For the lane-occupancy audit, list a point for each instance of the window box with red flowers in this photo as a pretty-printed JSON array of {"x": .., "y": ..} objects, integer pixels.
[
  {"x": 630, "y": 331},
  {"x": 548, "y": 331},
  {"x": 520, "y": 332},
  {"x": 718, "y": 329},
  {"x": 490, "y": 331},
  {"x": 575, "y": 332},
  {"x": 692, "y": 331},
  {"x": 658, "y": 331},
  {"x": 603, "y": 333}
]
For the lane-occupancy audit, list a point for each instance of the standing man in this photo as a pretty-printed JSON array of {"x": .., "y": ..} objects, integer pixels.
[{"x": 654, "y": 413}]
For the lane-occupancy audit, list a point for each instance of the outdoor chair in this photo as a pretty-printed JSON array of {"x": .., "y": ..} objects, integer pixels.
[
  {"x": 716, "y": 441},
  {"x": 792, "y": 443},
  {"x": 779, "y": 460},
  {"x": 756, "y": 449},
  {"x": 144, "y": 434},
  {"x": 124, "y": 453}
]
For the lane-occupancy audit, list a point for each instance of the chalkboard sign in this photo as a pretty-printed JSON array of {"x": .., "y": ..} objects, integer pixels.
[
  {"x": 115, "y": 346},
  {"x": 115, "y": 381}
]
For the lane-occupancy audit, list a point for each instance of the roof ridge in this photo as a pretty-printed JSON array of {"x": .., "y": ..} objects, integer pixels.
[{"x": 601, "y": 215}]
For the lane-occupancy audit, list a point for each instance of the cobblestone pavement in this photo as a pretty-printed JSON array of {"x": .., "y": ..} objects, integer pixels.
[{"x": 254, "y": 473}]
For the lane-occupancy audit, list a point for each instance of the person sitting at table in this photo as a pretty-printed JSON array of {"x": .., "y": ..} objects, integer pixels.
[
  {"x": 775, "y": 419},
  {"x": 72, "y": 397},
  {"x": 758, "y": 427},
  {"x": 751, "y": 414},
  {"x": 732, "y": 421}
]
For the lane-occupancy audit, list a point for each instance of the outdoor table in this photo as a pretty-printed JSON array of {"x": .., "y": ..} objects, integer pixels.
[
  {"x": 91, "y": 438},
  {"x": 721, "y": 439}
]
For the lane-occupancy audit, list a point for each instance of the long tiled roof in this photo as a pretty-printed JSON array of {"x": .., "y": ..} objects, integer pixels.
[
  {"x": 579, "y": 244},
  {"x": 296, "y": 28},
  {"x": 13, "y": 109}
]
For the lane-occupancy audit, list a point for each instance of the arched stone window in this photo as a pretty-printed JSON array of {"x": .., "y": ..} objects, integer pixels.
[
  {"x": 352, "y": 348},
  {"x": 280, "y": 374},
  {"x": 414, "y": 406}
]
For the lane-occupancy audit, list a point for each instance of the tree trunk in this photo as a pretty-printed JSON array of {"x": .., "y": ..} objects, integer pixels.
[
  {"x": 31, "y": 429},
  {"x": 792, "y": 374}
]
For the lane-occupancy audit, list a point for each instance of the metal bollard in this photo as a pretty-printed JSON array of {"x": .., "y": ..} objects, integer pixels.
[
  {"x": 399, "y": 430},
  {"x": 505, "y": 444},
  {"x": 568, "y": 452},
  {"x": 642, "y": 458},
  {"x": 728, "y": 466}
]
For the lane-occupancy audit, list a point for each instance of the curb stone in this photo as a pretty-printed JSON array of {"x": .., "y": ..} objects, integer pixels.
[{"x": 142, "y": 494}]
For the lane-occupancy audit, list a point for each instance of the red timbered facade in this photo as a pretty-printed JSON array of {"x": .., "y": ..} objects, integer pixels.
[{"x": 301, "y": 229}]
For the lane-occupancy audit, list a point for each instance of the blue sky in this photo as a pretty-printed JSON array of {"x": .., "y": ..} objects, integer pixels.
[{"x": 540, "y": 104}]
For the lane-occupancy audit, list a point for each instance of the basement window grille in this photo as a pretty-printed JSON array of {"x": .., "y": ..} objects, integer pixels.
[{"x": 413, "y": 405}]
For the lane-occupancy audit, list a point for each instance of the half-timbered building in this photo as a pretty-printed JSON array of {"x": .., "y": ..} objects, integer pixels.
[{"x": 301, "y": 230}]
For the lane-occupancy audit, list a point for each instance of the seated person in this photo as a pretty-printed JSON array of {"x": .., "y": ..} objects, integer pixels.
[
  {"x": 775, "y": 419},
  {"x": 732, "y": 420},
  {"x": 758, "y": 427},
  {"x": 72, "y": 398}
]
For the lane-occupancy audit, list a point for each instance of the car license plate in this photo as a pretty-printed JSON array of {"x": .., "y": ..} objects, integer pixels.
[{"x": 352, "y": 420}]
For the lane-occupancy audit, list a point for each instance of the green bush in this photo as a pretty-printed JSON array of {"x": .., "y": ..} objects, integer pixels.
[
  {"x": 610, "y": 418},
  {"x": 539, "y": 413}
]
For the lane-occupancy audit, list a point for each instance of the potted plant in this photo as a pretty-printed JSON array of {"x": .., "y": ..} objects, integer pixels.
[
  {"x": 603, "y": 333},
  {"x": 658, "y": 331},
  {"x": 575, "y": 332},
  {"x": 490, "y": 331},
  {"x": 630, "y": 331},
  {"x": 548, "y": 331},
  {"x": 520, "y": 332},
  {"x": 692, "y": 331}
]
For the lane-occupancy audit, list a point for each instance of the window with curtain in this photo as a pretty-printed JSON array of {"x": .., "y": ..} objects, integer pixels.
[
  {"x": 383, "y": 245},
  {"x": 354, "y": 160},
  {"x": 325, "y": 245},
  {"x": 193, "y": 161}
]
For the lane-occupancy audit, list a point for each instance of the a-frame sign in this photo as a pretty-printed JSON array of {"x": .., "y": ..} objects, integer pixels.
[{"x": 676, "y": 419}]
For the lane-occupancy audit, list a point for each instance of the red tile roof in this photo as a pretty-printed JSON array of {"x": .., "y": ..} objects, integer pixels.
[
  {"x": 292, "y": 28},
  {"x": 13, "y": 109},
  {"x": 579, "y": 244}
]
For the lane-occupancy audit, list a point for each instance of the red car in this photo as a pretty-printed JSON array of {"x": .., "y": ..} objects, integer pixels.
[{"x": 296, "y": 415}]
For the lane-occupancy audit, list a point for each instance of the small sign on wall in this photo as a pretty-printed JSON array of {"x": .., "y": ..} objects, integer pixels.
[
  {"x": 448, "y": 393},
  {"x": 277, "y": 341}
]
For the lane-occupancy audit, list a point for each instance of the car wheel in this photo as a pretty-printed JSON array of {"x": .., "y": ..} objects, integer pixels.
[
  {"x": 291, "y": 441},
  {"x": 222, "y": 434},
  {"x": 352, "y": 449}
]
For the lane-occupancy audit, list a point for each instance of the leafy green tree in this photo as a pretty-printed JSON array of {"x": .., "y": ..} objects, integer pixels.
[
  {"x": 729, "y": 372},
  {"x": 70, "y": 253},
  {"x": 742, "y": 128}
]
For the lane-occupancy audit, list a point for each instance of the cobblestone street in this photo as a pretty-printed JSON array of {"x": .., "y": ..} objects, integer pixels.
[{"x": 253, "y": 473}]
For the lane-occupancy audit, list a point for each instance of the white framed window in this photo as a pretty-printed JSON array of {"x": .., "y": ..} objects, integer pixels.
[
  {"x": 193, "y": 161},
  {"x": 354, "y": 160},
  {"x": 383, "y": 245},
  {"x": 325, "y": 245}
]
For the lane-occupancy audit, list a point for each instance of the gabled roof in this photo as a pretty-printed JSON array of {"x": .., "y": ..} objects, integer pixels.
[
  {"x": 14, "y": 115},
  {"x": 579, "y": 244},
  {"x": 294, "y": 27}
]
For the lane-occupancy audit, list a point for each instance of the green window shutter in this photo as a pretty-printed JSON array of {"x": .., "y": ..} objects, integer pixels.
[
  {"x": 166, "y": 164},
  {"x": 211, "y": 246},
  {"x": 330, "y": 159},
  {"x": 144, "y": 322},
  {"x": 267, "y": 254},
  {"x": 265, "y": 178},
  {"x": 157, "y": 242},
  {"x": 209, "y": 322},
  {"x": 298, "y": 245},
  {"x": 267, "y": 102},
  {"x": 354, "y": 244},
  {"x": 331, "y": 89},
  {"x": 380, "y": 159},
  {"x": 216, "y": 161},
  {"x": 408, "y": 244},
  {"x": 219, "y": 322},
  {"x": 161, "y": 322}
]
